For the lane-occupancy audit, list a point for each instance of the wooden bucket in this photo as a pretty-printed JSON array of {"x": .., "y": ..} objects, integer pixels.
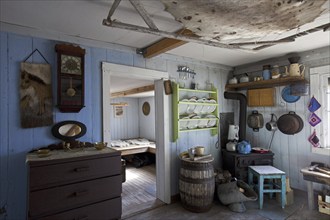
[{"x": 196, "y": 185}]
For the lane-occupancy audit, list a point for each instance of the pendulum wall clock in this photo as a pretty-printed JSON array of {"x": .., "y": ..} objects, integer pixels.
[{"x": 70, "y": 77}]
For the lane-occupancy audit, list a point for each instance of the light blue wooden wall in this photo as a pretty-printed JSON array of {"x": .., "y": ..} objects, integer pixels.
[
  {"x": 15, "y": 141},
  {"x": 126, "y": 126},
  {"x": 147, "y": 122}
]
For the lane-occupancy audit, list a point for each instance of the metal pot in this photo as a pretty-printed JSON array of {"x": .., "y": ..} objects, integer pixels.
[
  {"x": 231, "y": 146},
  {"x": 290, "y": 123},
  {"x": 272, "y": 124},
  {"x": 255, "y": 121}
]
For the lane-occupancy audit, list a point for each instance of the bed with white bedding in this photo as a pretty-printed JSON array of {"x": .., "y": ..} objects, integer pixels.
[{"x": 133, "y": 146}]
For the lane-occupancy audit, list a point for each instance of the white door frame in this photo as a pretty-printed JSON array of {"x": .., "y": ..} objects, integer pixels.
[{"x": 163, "y": 180}]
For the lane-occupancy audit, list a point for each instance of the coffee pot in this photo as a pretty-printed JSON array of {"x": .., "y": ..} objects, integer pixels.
[
  {"x": 232, "y": 137},
  {"x": 294, "y": 69}
]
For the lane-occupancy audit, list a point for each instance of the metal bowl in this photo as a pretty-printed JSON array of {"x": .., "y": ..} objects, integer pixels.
[{"x": 100, "y": 145}]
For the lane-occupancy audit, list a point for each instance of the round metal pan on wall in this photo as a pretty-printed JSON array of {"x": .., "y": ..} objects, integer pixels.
[{"x": 290, "y": 123}]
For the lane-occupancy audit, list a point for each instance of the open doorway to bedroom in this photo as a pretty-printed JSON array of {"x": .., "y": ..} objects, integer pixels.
[
  {"x": 133, "y": 134},
  {"x": 130, "y": 126}
]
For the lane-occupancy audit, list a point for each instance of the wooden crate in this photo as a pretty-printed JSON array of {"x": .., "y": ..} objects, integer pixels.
[{"x": 324, "y": 207}]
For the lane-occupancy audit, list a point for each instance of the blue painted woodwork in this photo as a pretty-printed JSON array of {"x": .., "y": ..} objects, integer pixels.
[
  {"x": 15, "y": 141},
  {"x": 269, "y": 173}
]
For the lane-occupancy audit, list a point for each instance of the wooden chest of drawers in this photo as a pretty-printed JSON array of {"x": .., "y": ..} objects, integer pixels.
[{"x": 75, "y": 185}]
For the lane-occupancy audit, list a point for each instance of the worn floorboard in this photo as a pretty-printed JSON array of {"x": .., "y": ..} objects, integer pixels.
[
  {"x": 139, "y": 202},
  {"x": 271, "y": 211},
  {"x": 139, "y": 190}
]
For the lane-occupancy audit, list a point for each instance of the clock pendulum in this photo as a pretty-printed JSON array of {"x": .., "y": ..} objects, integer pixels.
[{"x": 71, "y": 91}]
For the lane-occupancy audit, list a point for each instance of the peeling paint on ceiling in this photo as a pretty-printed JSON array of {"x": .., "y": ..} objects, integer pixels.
[{"x": 244, "y": 20}]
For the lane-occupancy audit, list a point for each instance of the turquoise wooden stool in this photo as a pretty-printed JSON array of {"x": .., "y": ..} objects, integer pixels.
[{"x": 271, "y": 173}]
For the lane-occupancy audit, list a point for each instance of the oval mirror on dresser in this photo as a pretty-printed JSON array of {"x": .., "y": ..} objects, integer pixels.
[{"x": 68, "y": 130}]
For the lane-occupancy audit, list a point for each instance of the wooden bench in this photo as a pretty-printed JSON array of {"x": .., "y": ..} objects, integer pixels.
[
  {"x": 316, "y": 177},
  {"x": 136, "y": 149}
]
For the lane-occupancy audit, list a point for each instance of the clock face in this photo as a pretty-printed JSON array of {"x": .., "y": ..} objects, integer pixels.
[{"x": 70, "y": 64}]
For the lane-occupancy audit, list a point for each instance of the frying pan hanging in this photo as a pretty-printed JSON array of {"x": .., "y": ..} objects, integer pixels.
[{"x": 290, "y": 123}]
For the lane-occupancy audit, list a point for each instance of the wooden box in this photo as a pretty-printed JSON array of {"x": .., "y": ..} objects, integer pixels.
[
  {"x": 324, "y": 207},
  {"x": 289, "y": 197}
]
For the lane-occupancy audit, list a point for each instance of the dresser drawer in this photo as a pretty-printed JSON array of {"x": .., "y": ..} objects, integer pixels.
[
  {"x": 110, "y": 209},
  {"x": 63, "y": 198},
  {"x": 63, "y": 173}
]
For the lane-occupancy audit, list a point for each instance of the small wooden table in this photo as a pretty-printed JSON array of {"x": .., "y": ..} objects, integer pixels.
[
  {"x": 316, "y": 177},
  {"x": 267, "y": 172}
]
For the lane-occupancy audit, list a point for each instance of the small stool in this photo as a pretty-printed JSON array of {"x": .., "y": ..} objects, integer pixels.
[{"x": 268, "y": 172}]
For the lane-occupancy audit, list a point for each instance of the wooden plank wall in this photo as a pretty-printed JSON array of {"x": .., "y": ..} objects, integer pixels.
[
  {"x": 147, "y": 122},
  {"x": 15, "y": 141},
  {"x": 292, "y": 152},
  {"x": 126, "y": 126}
]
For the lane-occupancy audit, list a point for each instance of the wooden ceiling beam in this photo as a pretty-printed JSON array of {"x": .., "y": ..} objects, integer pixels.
[
  {"x": 143, "y": 13},
  {"x": 133, "y": 91},
  {"x": 164, "y": 44},
  {"x": 160, "y": 47}
]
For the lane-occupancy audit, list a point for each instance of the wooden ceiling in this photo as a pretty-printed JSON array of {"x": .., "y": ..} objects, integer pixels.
[{"x": 235, "y": 24}]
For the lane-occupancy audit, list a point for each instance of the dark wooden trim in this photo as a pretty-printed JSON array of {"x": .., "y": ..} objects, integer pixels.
[{"x": 133, "y": 91}]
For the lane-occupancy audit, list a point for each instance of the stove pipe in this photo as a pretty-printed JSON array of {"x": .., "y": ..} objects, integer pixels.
[{"x": 242, "y": 112}]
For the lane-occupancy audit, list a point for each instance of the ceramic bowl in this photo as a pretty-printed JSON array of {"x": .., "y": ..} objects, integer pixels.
[
  {"x": 100, "y": 145},
  {"x": 276, "y": 76}
]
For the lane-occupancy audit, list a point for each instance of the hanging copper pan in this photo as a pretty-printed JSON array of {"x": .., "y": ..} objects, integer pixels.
[{"x": 290, "y": 123}]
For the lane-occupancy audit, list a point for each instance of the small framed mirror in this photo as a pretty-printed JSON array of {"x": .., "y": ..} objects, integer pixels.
[{"x": 69, "y": 130}]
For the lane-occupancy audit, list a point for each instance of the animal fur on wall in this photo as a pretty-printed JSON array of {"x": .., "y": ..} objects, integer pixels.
[{"x": 36, "y": 95}]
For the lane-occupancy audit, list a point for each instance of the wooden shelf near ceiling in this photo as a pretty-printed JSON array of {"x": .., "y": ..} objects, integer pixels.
[{"x": 266, "y": 83}]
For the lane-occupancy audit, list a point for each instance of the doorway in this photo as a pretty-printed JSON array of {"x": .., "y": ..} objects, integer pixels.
[{"x": 161, "y": 119}]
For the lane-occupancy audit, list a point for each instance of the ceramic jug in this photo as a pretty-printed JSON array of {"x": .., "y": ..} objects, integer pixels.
[
  {"x": 294, "y": 69},
  {"x": 266, "y": 72}
]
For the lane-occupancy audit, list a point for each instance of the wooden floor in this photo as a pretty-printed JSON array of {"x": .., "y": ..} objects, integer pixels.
[
  {"x": 271, "y": 211},
  {"x": 139, "y": 190}
]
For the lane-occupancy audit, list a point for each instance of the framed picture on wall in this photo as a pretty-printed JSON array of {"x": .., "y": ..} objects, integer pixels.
[{"x": 119, "y": 111}]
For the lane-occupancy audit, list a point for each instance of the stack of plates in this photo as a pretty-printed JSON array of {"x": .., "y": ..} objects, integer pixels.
[
  {"x": 183, "y": 107},
  {"x": 184, "y": 124},
  {"x": 212, "y": 122},
  {"x": 193, "y": 123},
  {"x": 202, "y": 123}
]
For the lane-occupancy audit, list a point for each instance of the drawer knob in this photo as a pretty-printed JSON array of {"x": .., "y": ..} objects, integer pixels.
[
  {"x": 81, "y": 169},
  {"x": 80, "y": 193}
]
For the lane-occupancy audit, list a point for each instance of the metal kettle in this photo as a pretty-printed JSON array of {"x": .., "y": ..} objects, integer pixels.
[
  {"x": 244, "y": 147},
  {"x": 231, "y": 146}
]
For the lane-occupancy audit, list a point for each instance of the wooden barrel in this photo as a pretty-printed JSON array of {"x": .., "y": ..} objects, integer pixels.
[{"x": 196, "y": 185}]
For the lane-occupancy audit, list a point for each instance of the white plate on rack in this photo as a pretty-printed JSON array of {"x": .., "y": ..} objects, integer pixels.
[
  {"x": 211, "y": 108},
  {"x": 212, "y": 122},
  {"x": 198, "y": 108},
  {"x": 193, "y": 123},
  {"x": 205, "y": 109},
  {"x": 184, "y": 124},
  {"x": 191, "y": 108},
  {"x": 183, "y": 107},
  {"x": 202, "y": 123}
]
